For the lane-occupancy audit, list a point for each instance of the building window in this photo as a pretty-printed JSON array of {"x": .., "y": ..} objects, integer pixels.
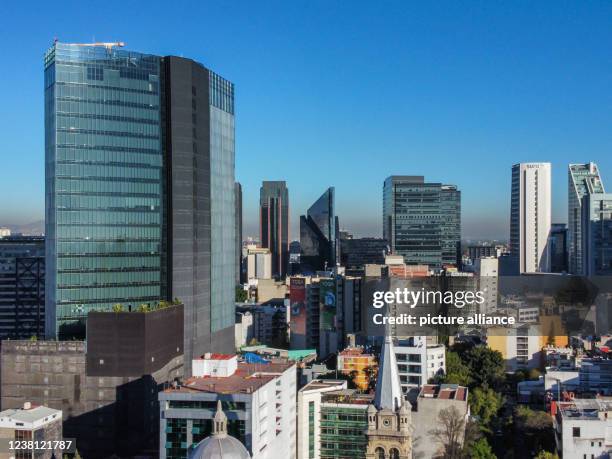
[
  {"x": 379, "y": 453},
  {"x": 576, "y": 432},
  {"x": 394, "y": 453}
]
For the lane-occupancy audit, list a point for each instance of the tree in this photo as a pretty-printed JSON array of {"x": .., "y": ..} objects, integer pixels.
[
  {"x": 486, "y": 366},
  {"x": 485, "y": 403},
  {"x": 241, "y": 294},
  {"x": 449, "y": 433},
  {"x": 456, "y": 371},
  {"x": 546, "y": 455},
  {"x": 480, "y": 450},
  {"x": 534, "y": 428},
  {"x": 117, "y": 307}
]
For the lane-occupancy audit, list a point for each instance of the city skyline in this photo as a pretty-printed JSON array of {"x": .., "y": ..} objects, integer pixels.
[{"x": 451, "y": 86}]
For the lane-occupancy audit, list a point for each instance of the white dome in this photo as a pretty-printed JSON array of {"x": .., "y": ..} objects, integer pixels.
[{"x": 219, "y": 447}]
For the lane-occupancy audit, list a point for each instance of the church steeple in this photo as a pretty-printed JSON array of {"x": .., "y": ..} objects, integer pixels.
[
  {"x": 219, "y": 422},
  {"x": 389, "y": 394}
]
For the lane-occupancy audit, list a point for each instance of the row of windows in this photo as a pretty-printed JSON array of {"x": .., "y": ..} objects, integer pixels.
[
  {"x": 120, "y": 78},
  {"x": 84, "y": 109},
  {"x": 84, "y": 139},
  {"x": 105, "y": 171},
  {"x": 107, "y": 278},
  {"x": 101, "y": 263},
  {"x": 74, "y": 231},
  {"x": 135, "y": 128},
  {"x": 124, "y": 159},
  {"x": 76, "y": 201},
  {"x": 115, "y": 187},
  {"x": 105, "y": 217},
  {"x": 106, "y": 95},
  {"x": 85, "y": 294},
  {"x": 110, "y": 248}
]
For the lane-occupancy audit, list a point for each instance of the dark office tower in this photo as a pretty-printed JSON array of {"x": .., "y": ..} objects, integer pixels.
[
  {"x": 558, "y": 247},
  {"x": 199, "y": 146},
  {"x": 274, "y": 224},
  {"x": 139, "y": 189},
  {"x": 422, "y": 221},
  {"x": 22, "y": 287},
  {"x": 319, "y": 234}
]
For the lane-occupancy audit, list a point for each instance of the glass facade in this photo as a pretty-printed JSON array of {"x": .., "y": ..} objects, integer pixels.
[
  {"x": 422, "y": 221},
  {"x": 343, "y": 432},
  {"x": 319, "y": 234},
  {"x": 103, "y": 182},
  {"x": 222, "y": 199},
  {"x": 583, "y": 179}
]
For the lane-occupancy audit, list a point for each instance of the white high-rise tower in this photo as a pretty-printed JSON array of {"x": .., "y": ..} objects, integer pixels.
[{"x": 530, "y": 216}]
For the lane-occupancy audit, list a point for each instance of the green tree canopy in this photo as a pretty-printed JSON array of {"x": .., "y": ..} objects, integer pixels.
[
  {"x": 456, "y": 371},
  {"x": 480, "y": 450},
  {"x": 486, "y": 365},
  {"x": 241, "y": 294},
  {"x": 485, "y": 403}
]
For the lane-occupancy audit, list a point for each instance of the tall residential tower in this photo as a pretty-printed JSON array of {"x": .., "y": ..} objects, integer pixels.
[{"x": 530, "y": 217}]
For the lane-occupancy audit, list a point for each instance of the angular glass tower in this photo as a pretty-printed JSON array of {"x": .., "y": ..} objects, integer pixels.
[
  {"x": 139, "y": 189},
  {"x": 583, "y": 180},
  {"x": 422, "y": 221},
  {"x": 319, "y": 234}
]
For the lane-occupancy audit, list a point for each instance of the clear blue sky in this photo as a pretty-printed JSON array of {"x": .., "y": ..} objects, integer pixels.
[{"x": 347, "y": 93}]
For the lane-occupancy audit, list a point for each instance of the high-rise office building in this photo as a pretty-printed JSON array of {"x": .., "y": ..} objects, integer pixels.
[
  {"x": 238, "y": 201},
  {"x": 530, "y": 217},
  {"x": 422, "y": 221},
  {"x": 139, "y": 189},
  {"x": 558, "y": 248},
  {"x": 22, "y": 287},
  {"x": 319, "y": 234},
  {"x": 583, "y": 180},
  {"x": 597, "y": 234},
  {"x": 274, "y": 224}
]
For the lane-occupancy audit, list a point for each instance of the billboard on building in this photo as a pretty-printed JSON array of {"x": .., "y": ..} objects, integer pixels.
[{"x": 327, "y": 304}]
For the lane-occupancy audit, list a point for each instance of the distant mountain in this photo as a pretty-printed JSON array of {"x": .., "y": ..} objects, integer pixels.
[{"x": 29, "y": 229}]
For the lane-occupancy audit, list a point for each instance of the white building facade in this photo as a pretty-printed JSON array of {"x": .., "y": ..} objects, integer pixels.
[{"x": 530, "y": 216}]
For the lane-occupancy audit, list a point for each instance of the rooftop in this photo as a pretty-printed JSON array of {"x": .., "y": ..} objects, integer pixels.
[
  {"x": 585, "y": 409},
  {"x": 248, "y": 378},
  {"x": 444, "y": 392},
  {"x": 29, "y": 414}
]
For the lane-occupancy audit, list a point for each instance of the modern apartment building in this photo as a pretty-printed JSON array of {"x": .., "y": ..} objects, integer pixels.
[
  {"x": 139, "y": 189},
  {"x": 558, "y": 248},
  {"x": 258, "y": 400},
  {"x": 319, "y": 234},
  {"x": 597, "y": 234},
  {"x": 356, "y": 253},
  {"x": 418, "y": 361},
  {"x": 274, "y": 224},
  {"x": 530, "y": 217},
  {"x": 422, "y": 221},
  {"x": 22, "y": 287},
  {"x": 487, "y": 270}
]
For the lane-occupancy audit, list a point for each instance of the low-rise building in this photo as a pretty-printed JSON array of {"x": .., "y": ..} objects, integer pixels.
[
  {"x": 357, "y": 364},
  {"x": 432, "y": 399},
  {"x": 583, "y": 428},
  {"x": 257, "y": 398},
  {"x": 418, "y": 361},
  {"x": 32, "y": 423},
  {"x": 596, "y": 376}
]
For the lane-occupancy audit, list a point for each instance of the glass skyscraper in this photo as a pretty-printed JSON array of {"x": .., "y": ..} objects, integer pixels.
[
  {"x": 583, "y": 180},
  {"x": 422, "y": 221},
  {"x": 319, "y": 234},
  {"x": 139, "y": 188},
  {"x": 104, "y": 179}
]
